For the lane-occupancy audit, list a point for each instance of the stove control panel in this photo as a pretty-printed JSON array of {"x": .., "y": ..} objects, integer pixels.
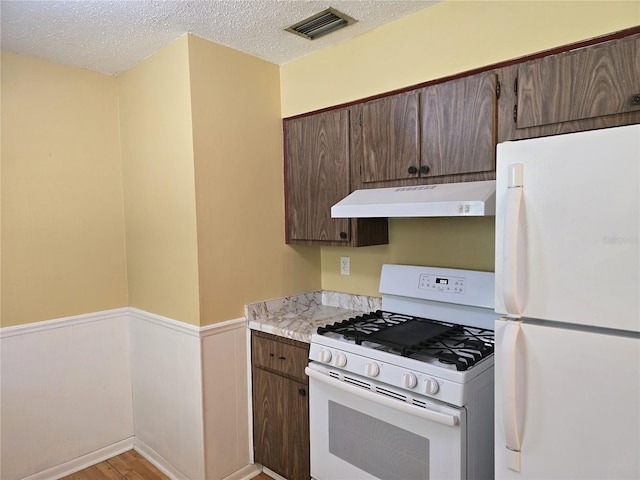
[
  {"x": 430, "y": 381},
  {"x": 441, "y": 283}
]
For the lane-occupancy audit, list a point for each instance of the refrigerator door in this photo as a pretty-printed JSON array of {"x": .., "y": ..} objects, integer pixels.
[
  {"x": 571, "y": 397},
  {"x": 567, "y": 228}
]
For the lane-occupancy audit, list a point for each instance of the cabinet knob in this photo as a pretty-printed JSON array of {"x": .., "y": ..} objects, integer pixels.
[
  {"x": 302, "y": 392},
  {"x": 412, "y": 170},
  {"x": 343, "y": 235},
  {"x": 635, "y": 100},
  {"x": 424, "y": 169}
]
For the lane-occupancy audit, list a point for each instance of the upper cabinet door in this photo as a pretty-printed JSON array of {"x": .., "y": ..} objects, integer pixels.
[
  {"x": 459, "y": 126},
  {"x": 389, "y": 136},
  {"x": 317, "y": 175},
  {"x": 590, "y": 82}
]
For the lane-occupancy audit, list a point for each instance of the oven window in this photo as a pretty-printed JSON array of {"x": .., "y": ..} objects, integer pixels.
[{"x": 376, "y": 447}]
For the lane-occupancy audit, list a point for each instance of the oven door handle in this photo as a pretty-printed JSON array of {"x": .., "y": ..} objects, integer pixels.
[{"x": 439, "y": 417}]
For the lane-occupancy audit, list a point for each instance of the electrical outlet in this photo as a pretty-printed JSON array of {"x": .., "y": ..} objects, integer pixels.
[{"x": 345, "y": 266}]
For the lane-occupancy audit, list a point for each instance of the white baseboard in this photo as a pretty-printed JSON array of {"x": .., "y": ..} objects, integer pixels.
[
  {"x": 156, "y": 459},
  {"x": 84, "y": 461},
  {"x": 245, "y": 473},
  {"x": 272, "y": 474},
  {"x": 143, "y": 449}
]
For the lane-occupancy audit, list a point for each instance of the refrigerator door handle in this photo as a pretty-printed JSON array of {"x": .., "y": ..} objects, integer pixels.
[
  {"x": 510, "y": 413},
  {"x": 510, "y": 250}
]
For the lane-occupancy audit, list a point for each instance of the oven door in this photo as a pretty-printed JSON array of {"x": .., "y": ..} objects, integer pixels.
[{"x": 357, "y": 433}]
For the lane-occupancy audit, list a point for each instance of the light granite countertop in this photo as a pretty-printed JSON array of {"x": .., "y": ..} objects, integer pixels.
[{"x": 299, "y": 316}]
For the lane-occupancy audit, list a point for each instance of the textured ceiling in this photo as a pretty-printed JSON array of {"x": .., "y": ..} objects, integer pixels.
[{"x": 111, "y": 36}]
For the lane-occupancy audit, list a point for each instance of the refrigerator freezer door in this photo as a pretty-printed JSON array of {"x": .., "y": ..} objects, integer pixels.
[
  {"x": 576, "y": 404},
  {"x": 576, "y": 233}
]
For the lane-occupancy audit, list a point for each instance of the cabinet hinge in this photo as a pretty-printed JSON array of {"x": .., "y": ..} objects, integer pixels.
[
  {"x": 515, "y": 113},
  {"x": 498, "y": 89},
  {"x": 360, "y": 119},
  {"x": 515, "y": 87}
]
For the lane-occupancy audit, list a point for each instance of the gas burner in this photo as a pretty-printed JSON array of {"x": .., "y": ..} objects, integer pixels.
[{"x": 416, "y": 337}]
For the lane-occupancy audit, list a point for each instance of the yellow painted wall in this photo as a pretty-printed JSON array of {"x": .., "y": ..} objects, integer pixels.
[
  {"x": 237, "y": 135},
  {"x": 193, "y": 133},
  {"x": 451, "y": 37},
  {"x": 63, "y": 248},
  {"x": 159, "y": 186}
]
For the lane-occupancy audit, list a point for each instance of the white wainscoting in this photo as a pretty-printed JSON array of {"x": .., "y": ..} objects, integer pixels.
[
  {"x": 167, "y": 390},
  {"x": 226, "y": 405},
  {"x": 78, "y": 390},
  {"x": 65, "y": 393}
]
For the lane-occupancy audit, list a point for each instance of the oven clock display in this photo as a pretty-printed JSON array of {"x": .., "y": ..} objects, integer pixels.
[{"x": 442, "y": 284}]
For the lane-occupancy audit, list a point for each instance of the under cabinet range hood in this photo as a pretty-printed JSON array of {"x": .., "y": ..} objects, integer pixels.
[{"x": 467, "y": 199}]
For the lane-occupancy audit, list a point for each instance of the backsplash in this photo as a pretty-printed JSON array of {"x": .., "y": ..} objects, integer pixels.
[
  {"x": 307, "y": 302},
  {"x": 277, "y": 306},
  {"x": 352, "y": 302}
]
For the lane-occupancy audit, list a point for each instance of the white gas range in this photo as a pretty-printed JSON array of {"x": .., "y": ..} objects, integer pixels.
[{"x": 407, "y": 392}]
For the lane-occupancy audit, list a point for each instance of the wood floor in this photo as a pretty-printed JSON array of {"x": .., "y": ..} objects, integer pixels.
[{"x": 127, "y": 466}]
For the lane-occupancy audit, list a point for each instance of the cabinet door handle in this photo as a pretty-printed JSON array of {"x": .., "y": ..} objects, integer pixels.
[
  {"x": 302, "y": 392},
  {"x": 424, "y": 169},
  {"x": 635, "y": 100},
  {"x": 412, "y": 170},
  {"x": 343, "y": 235},
  {"x": 282, "y": 358}
]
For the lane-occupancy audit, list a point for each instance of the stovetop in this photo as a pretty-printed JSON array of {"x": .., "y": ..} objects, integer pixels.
[
  {"x": 438, "y": 343},
  {"x": 415, "y": 337}
]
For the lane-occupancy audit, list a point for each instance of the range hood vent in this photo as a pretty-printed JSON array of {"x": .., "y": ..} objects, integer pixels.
[
  {"x": 321, "y": 24},
  {"x": 467, "y": 199}
]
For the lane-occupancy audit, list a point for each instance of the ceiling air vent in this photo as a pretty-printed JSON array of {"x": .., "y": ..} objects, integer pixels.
[{"x": 320, "y": 24}]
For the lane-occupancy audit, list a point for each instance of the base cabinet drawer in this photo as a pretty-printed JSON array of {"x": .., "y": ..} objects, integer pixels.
[{"x": 285, "y": 358}]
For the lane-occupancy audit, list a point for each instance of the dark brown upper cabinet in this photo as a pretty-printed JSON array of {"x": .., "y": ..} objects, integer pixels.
[
  {"x": 318, "y": 176},
  {"x": 584, "y": 89},
  {"x": 459, "y": 126},
  {"x": 390, "y": 137},
  {"x": 440, "y": 133},
  {"x": 447, "y": 131}
]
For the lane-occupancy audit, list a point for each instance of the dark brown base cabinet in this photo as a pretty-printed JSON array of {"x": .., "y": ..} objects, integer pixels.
[{"x": 280, "y": 405}]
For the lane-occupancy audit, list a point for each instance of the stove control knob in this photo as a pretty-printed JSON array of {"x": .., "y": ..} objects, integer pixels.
[
  {"x": 372, "y": 370},
  {"x": 325, "y": 356},
  {"x": 431, "y": 386},
  {"x": 409, "y": 380},
  {"x": 341, "y": 360}
]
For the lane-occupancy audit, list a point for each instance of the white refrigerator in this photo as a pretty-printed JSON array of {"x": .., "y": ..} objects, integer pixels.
[{"x": 567, "y": 357}]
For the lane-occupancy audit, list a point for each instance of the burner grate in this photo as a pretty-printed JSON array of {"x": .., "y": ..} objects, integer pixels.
[{"x": 416, "y": 337}]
